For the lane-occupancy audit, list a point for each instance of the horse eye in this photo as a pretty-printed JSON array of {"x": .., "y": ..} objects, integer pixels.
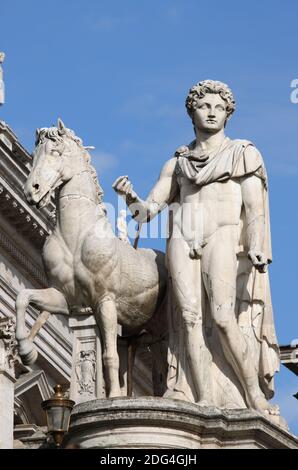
[{"x": 55, "y": 153}]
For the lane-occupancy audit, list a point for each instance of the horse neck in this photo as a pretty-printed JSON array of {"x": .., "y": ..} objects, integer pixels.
[{"x": 78, "y": 209}]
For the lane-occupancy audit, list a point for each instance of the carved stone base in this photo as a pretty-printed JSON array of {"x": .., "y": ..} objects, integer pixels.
[
  {"x": 87, "y": 377},
  {"x": 157, "y": 423}
]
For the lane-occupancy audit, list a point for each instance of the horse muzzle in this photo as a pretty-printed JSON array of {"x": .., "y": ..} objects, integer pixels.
[{"x": 33, "y": 192}]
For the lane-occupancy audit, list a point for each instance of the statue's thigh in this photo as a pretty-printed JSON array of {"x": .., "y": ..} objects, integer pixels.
[
  {"x": 185, "y": 272},
  {"x": 179, "y": 261},
  {"x": 219, "y": 271}
]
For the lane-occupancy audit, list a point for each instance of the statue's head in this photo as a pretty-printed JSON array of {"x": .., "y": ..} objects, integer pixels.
[
  {"x": 210, "y": 104},
  {"x": 59, "y": 154}
]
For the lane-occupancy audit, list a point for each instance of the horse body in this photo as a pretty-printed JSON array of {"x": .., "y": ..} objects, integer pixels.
[{"x": 86, "y": 264}]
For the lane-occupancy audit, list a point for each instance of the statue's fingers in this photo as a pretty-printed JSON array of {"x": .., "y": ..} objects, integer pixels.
[
  {"x": 261, "y": 267},
  {"x": 264, "y": 268},
  {"x": 127, "y": 186},
  {"x": 253, "y": 259},
  {"x": 263, "y": 259},
  {"x": 121, "y": 186},
  {"x": 119, "y": 180},
  {"x": 116, "y": 182}
]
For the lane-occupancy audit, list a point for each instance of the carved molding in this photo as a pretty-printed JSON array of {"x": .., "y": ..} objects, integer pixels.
[
  {"x": 22, "y": 260},
  {"x": 15, "y": 165},
  {"x": 7, "y": 335},
  {"x": 20, "y": 216},
  {"x": 86, "y": 372}
]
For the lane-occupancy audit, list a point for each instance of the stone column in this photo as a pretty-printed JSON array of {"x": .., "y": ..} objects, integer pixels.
[
  {"x": 87, "y": 377},
  {"x": 8, "y": 354}
]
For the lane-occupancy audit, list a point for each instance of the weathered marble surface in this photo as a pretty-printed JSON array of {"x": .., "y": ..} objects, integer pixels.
[
  {"x": 223, "y": 349},
  {"x": 158, "y": 423}
]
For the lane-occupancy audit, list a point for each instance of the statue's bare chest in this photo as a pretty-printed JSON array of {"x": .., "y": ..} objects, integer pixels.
[{"x": 213, "y": 193}]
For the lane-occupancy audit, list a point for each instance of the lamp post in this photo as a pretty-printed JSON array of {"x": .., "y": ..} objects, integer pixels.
[{"x": 58, "y": 410}]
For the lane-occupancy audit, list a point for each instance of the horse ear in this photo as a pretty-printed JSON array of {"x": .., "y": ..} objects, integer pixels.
[
  {"x": 37, "y": 132},
  {"x": 61, "y": 127}
]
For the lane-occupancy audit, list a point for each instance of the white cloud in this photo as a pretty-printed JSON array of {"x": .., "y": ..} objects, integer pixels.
[{"x": 103, "y": 161}]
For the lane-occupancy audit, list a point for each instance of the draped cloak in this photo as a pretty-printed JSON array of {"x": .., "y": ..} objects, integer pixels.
[{"x": 253, "y": 289}]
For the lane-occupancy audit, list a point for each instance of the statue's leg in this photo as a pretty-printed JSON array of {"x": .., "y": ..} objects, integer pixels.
[
  {"x": 219, "y": 267},
  {"x": 50, "y": 300},
  {"x": 186, "y": 280},
  {"x": 106, "y": 317}
]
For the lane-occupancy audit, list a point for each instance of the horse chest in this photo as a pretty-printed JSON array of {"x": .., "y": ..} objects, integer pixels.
[{"x": 60, "y": 267}]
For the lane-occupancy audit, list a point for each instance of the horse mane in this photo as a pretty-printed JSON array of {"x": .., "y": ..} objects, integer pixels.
[{"x": 54, "y": 134}]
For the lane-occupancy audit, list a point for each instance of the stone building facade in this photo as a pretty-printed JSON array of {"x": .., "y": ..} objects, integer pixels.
[{"x": 23, "y": 230}]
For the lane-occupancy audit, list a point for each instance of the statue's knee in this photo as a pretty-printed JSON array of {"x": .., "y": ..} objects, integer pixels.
[
  {"x": 22, "y": 299},
  {"x": 222, "y": 316},
  {"x": 190, "y": 318}
]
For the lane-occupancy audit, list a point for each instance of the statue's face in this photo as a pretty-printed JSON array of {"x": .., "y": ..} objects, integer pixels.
[{"x": 211, "y": 114}]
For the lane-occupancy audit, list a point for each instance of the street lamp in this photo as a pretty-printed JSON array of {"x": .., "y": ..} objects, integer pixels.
[{"x": 58, "y": 411}]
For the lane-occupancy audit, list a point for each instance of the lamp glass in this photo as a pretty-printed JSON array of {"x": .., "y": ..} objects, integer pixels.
[{"x": 58, "y": 418}]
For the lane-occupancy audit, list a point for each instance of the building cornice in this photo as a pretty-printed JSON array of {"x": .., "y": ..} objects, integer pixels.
[
  {"x": 15, "y": 165},
  {"x": 22, "y": 260}
]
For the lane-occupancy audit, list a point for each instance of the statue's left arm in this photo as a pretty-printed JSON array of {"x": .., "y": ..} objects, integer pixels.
[{"x": 252, "y": 187}]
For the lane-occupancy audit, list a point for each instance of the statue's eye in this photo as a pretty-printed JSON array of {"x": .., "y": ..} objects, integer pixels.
[{"x": 55, "y": 153}]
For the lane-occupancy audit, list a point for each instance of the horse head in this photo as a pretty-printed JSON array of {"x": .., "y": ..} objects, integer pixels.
[{"x": 58, "y": 156}]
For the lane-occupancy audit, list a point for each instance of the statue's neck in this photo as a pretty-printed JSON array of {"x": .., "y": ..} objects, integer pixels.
[
  {"x": 77, "y": 208},
  {"x": 207, "y": 142},
  {"x": 80, "y": 186}
]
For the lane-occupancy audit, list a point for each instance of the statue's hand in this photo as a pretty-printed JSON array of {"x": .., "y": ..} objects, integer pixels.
[
  {"x": 259, "y": 260},
  {"x": 124, "y": 187}
]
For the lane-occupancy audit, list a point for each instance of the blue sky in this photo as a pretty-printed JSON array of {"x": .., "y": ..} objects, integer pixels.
[{"x": 118, "y": 72}]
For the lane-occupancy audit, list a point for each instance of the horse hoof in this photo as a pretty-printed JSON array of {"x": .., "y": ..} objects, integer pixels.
[{"x": 29, "y": 358}]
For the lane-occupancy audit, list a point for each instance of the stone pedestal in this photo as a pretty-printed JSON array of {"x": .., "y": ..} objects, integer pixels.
[
  {"x": 87, "y": 377},
  {"x": 7, "y": 381},
  {"x": 157, "y": 423}
]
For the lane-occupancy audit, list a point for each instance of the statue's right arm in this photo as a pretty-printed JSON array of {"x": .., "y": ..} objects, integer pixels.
[{"x": 161, "y": 194}]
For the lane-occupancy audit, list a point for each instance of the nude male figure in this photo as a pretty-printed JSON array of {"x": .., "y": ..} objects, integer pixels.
[{"x": 220, "y": 184}]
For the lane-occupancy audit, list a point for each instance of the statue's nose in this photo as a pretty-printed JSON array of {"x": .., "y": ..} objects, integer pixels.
[{"x": 30, "y": 189}]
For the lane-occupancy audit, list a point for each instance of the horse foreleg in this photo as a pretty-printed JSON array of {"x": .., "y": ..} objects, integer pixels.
[
  {"x": 106, "y": 317},
  {"x": 50, "y": 300},
  {"x": 41, "y": 320}
]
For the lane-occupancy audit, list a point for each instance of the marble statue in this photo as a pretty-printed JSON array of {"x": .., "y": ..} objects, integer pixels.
[
  {"x": 223, "y": 349},
  {"x": 2, "y": 90},
  {"x": 122, "y": 227},
  {"x": 86, "y": 264}
]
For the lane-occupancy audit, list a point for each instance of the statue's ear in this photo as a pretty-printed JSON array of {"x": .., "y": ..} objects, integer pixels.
[
  {"x": 37, "y": 132},
  {"x": 61, "y": 127}
]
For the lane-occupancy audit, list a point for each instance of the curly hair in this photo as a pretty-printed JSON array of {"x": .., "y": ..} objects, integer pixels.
[{"x": 210, "y": 86}]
